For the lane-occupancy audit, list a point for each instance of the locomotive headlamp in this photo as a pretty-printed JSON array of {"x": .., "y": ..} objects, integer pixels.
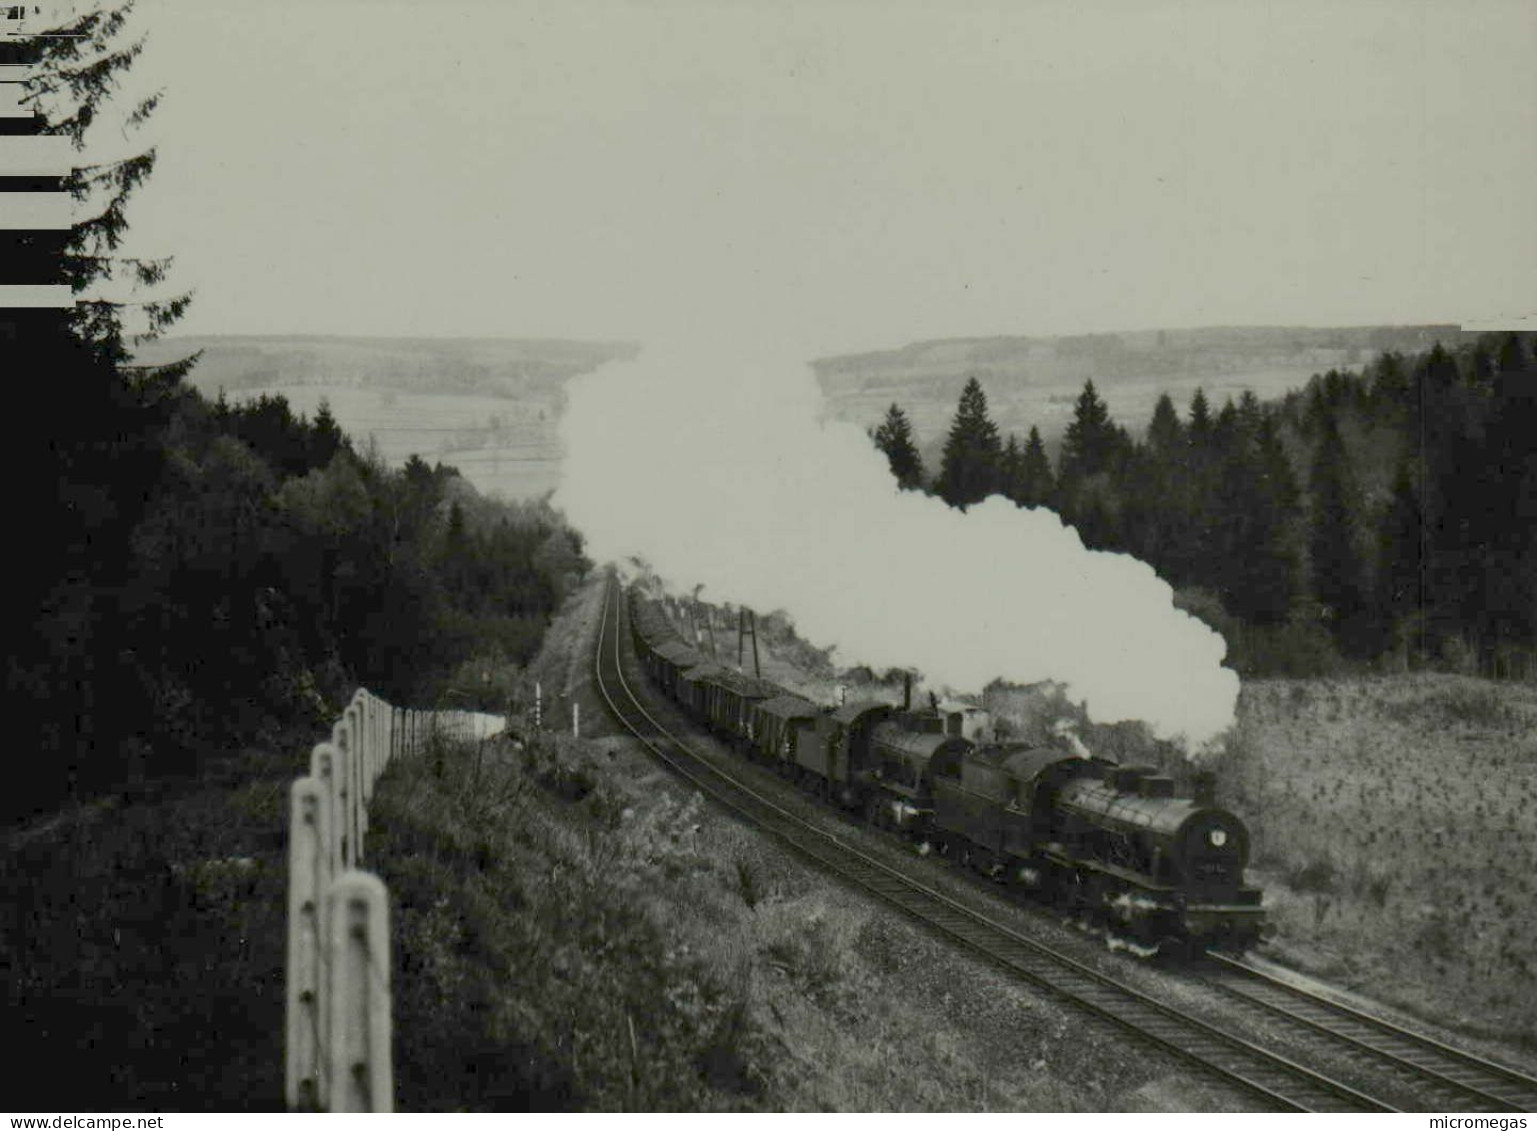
[{"x": 1218, "y": 837}]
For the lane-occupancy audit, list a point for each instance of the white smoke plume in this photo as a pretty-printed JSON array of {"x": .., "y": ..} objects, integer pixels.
[{"x": 724, "y": 471}]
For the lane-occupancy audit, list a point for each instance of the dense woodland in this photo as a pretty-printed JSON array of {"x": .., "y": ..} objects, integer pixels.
[
  {"x": 1385, "y": 516},
  {"x": 249, "y": 572},
  {"x": 189, "y": 577}
]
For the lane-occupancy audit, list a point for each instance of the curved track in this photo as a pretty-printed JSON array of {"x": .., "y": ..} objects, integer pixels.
[
  {"x": 1452, "y": 1079},
  {"x": 1278, "y": 1081}
]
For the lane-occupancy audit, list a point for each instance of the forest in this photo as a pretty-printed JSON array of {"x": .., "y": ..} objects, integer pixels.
[
  {"x": 191, "y": 577},
  {"x": 251, "y": 571},
  {"x": 1383, "y": 518}
]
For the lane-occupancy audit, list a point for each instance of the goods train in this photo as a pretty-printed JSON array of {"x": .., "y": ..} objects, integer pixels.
[{"x": 1087, "y": 834}]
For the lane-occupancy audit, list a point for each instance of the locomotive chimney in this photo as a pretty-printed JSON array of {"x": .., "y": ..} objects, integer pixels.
[
  {"x": 1204, "y": 784},
  {"x": 907, "y": 691}
]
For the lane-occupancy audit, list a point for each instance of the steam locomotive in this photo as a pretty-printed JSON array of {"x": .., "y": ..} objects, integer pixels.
[{"x": 1087, "y": 834}]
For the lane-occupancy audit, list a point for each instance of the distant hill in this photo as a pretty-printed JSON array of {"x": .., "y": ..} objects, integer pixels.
[
  {"x": 486, "y": 405},
  {"x": 490, "y": 405},
  {"x": 1034, "y": 381},
  {"x": 476, "y": 366}
]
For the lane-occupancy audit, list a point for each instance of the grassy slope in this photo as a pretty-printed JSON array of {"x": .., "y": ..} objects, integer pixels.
[
  {"x": 141, "y": 940},
  {"x": 1394, "y": 822},
  {"x": 576, "y": 930}
]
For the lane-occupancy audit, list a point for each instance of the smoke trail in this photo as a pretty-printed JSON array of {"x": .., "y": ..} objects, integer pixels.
[{"x": 724, "y": 472}]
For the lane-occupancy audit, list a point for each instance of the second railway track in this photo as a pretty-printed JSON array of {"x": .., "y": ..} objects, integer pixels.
[
  {"x": 1441, "y": 1076},
  {"x": 1275, "y": 1079}
]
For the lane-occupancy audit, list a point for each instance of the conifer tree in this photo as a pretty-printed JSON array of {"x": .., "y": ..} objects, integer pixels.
[
  {"x": 78, "y": 67},
  {"x": 969, "y": 470},
  {"x": 895, "y": 438},
  {"x": 1010, "y": 466},
  {"x": 1401, "y": 591},
  {"x": 1037, "y": 486},
  {"x": 1157, "y": 495},
  {"x": 1165, "y": 434},
  {"x": 1249, "y": 413},
  {"x": 1200, "y": 419},
  {"x": 1500, "y": 498},
  {"x": 1338, "y": 578},
  {"x": 1254, "y": 547},
  {"x": 90, "y": 436},
  {"x": 1094, "y": 454},
  {"x": 1092, "y": 443},
  {"x": 1200, "y": 472},
  {"x": 1390, "y": 383}
]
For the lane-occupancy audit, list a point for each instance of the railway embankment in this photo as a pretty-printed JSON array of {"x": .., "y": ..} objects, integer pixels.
[
  {"x": 577, "y": 929},
  {"x": 1393, "y": 824}
]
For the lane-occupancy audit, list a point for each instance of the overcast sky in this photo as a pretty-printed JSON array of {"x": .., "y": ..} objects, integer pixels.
[{"x": 841, "y": 175}]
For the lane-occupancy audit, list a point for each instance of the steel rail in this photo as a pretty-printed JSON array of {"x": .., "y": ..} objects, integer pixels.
[
  {"x": 1468, "y": 1081},
  {"x": 1286, "y": 1084}
]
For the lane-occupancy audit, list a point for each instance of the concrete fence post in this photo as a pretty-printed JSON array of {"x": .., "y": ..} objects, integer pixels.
[
  {"x": 310, "y": 853},
  {"x": 365, "y": 743},
  {"x": 357, "y": 748},
  {"x": 324, "y": 760},
  {"x": 370, "y": 746},
  {"x": 346, "y": 809},
  {"x": 361, "y": 1073}
]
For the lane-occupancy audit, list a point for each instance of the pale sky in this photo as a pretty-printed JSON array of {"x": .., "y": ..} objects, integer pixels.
[{"x": 841, "y": 175}]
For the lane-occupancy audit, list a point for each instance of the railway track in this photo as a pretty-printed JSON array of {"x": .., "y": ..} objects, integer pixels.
[
  {"x": 1448, "y": 1078},
  {"x": 1278, "y": 1081}
]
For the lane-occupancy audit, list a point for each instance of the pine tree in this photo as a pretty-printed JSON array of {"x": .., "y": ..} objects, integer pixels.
[
  {"x": 1165, "y": 434},
  {"x": 895, "y": 438},
  {"x": 1400, "y": 594},
  {"x": 1502, "y": 508},
  {"x": 1200, "y": 419},
  {"x": 1390, "y": 383},
  {"x": 1095, "y": 451},
  {"x": 1157, "y": 489},
  {"x": 1254, "y": 546},
  {"x": 1338, "y": 578},
  {"x": 1010, "y": 468},
  {"x": 1092, "y": 443},
  {"x": 1037, "y": 486},
  {"x": 327, "y": 438},
  {"x": 78, "y": 67},
  {"x": 1512, "y": 358},
  {"x": 969, "y": 470},
  {"x": 1250, "y": 414},
  {"x": 1200, "y": 474},
  {"x": 91, "y": 433}
]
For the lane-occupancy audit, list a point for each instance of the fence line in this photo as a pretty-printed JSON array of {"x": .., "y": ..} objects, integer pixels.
[{"x": 337, "y": 1049}]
